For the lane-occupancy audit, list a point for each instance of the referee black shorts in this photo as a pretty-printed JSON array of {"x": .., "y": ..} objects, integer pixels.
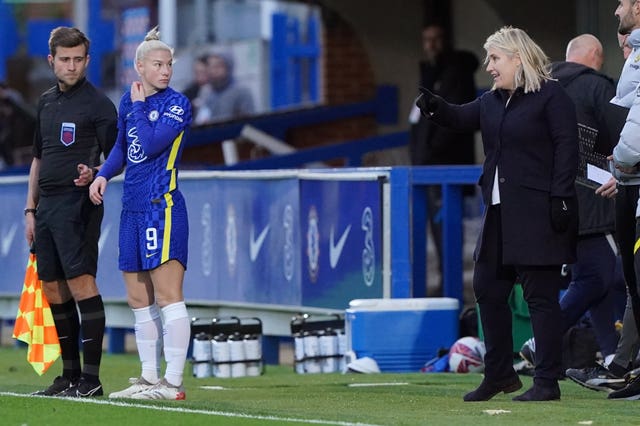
[{"x": 67, "y": 233}]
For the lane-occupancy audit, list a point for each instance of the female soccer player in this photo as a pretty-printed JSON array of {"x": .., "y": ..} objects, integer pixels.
[{"x": 154, "y": 230}]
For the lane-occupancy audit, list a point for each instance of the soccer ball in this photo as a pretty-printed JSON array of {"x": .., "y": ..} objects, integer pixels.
[{"x": 467, "y": 355}]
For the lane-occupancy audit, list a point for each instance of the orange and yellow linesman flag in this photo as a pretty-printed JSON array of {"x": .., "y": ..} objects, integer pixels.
[{"x": 34, "y": 322}]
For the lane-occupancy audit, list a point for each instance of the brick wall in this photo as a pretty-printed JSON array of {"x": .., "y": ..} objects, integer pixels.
[
  {"x": 348, "y": 78},
  {"x": 348, "y": 72}
]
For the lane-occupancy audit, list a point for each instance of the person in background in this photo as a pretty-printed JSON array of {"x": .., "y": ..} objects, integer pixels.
[
  {"x": 17, "y": 121},
  {"x": 450, "y": 74},
  {"x": 154, "y": 230},
  {"x": 226, "y": 100},
  {"x": 199, "y": 90},
  {"x": 594, "y": 277},
  {"x": 624, "y": 46},
  {"x": 75, "y": 124},
  {"x": 625, "y": 187},
  {"x": 529, "y": 132}
]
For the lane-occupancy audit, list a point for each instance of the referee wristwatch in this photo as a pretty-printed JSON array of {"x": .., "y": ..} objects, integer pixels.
[{"x": 27, "y": 211}]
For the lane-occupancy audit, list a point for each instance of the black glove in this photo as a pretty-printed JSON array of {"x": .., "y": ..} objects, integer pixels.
[
  {"x": 561, "y": 211},
  {"x": 427, "y": 102}
]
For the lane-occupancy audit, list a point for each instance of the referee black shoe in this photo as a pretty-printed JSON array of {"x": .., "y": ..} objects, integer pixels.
[
  {"x": 83, "y": 389},
  {"x": 60, "y": 384}
]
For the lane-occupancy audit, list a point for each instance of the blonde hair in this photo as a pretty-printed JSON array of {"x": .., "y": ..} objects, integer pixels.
[
  {"x": 534, "y": 67},
  {"x": 151, "y": 42}
]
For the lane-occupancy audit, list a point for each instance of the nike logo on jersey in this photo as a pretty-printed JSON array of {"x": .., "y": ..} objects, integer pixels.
[
  {"x": 256, "y": 244},
  {"x": 335, "y": 250},
  {"x": 150, "y": 255}
]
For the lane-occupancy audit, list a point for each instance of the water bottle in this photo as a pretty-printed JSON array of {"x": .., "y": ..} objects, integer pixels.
[
  {"x": 221, "y": 355},
  {"x": 342, "y": 351},
  {"x": 328, "y": 349},
  {"x": 236, "y": 349},
  {"x": 253, "y": 354},
  {"x": 310, "y": 342},
  {"x": 201, "y": 356},
  {"x": 298, "y": 346}
]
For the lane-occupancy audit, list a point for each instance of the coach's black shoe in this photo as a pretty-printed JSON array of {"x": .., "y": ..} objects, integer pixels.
[
  {"x": 540, "y": 393},
  {"x": 83, "y": 389},
  {"x": 60, "y": 384},
  {"x": 488, "y": 390}
]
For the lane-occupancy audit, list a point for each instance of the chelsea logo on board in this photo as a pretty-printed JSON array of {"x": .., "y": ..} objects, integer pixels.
[
  {"x": 231, "y": 240},
  {"x": 313, "y": 243}
]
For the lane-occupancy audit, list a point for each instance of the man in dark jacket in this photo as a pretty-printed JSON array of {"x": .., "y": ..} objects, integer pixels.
[
  {"x": 17, "y": 121},
  {"x": 450, "y": 74},
  {"x": 624, "y": 187},
  {"x": 594, "y": 274}
]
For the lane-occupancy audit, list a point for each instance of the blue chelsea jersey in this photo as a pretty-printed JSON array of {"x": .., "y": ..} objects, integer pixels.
[{"x": 155, "y": 137}]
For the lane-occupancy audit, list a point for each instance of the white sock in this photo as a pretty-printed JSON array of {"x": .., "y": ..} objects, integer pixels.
[
  {"x": 148, "y": 329},
  {"x": 608, "y": 359},
  {"x": 177, "y": 331}
]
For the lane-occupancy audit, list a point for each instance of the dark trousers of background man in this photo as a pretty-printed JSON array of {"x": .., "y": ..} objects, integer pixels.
[
  {"x": 626, "y": 203},
  {"x": 593, "y": 289}
]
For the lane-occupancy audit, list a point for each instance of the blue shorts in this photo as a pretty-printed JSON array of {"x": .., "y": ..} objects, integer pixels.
[{"x": 150, "y": 238}]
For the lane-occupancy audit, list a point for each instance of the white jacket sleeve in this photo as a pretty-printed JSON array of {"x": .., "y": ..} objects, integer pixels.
[{"x": 627, "y": 151}]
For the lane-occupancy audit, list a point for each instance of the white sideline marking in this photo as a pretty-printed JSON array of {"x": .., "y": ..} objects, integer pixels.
[
  {"x": 362, "y": 385},
  {"x": 190, "y": 411}
]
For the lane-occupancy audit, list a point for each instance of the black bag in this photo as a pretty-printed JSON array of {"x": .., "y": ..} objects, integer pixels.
[
  {"x": 579, "y": 347},
  {"x": 469, "y": 322}
]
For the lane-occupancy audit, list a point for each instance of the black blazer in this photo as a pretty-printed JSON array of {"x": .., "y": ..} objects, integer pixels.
[{"x": 533, "y": 141}]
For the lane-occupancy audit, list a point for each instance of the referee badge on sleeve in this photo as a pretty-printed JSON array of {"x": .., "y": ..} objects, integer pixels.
[{"x": 67, "y": 133}]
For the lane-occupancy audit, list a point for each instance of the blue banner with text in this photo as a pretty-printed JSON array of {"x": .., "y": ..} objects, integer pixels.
[{"x": 261, "y": 239}]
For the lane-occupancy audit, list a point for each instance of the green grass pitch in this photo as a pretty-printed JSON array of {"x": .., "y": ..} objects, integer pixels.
[{"x": 282, "y": 397}]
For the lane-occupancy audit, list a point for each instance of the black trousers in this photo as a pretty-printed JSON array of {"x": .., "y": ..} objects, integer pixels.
[
  {"x": 626, "y": 224},
  {"x": 492, "y": 284}
]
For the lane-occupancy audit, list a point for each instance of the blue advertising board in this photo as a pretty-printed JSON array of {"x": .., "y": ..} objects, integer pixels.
[
  {"x": 14, "y": 251},
  {"x": 341, "y": 223},
  {"x": 242, "y": 240},
  {"x": 109, "y": 277},
  {"x": 254, "y": 237},
  {"x": 134, "y": 24}
]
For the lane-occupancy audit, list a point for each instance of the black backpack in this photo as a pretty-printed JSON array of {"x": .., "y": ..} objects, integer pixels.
[{"x": 579, "y": 347}]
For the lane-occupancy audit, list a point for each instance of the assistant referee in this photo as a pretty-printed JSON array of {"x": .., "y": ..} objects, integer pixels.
[{"x": 75, "y": 125}]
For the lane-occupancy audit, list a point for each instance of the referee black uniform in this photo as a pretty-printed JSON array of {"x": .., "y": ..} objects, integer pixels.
[{"x": 75, "y": 126}]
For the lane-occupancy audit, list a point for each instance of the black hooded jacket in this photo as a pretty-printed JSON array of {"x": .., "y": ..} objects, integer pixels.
[
  {"x": 591, "y": 92},
  {"x": 451, "y": 77}
]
